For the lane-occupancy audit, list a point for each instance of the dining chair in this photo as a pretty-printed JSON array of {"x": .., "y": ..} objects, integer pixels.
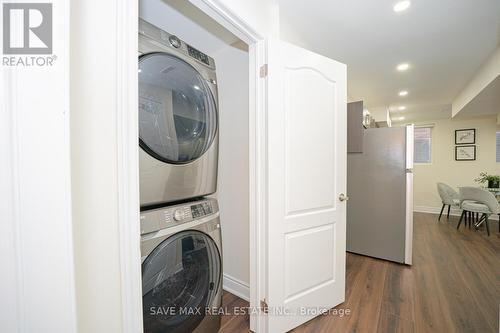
[
  {"x": 449, "y": 197},
  {"x": 477, "y": 200}
]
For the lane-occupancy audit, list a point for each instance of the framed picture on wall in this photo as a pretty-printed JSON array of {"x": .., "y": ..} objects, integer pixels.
[
  {"x": 465, "y": 153},
  {"x": 465, "y": 136}
]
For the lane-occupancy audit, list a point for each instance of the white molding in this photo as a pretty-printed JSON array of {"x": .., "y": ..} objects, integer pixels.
[
  {"x": 11, "y": 258},
  {"x": 236, "y": 287},
  {"x": 435, "y": 210},
  {"x": 228, "y": 19},
  {"x": 258, "y": 183},
  {"x": 128, "y": 165}
]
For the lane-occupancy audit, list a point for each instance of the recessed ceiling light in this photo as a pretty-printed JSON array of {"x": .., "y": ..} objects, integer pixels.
[
  {"x": 402, "y": 108},
  {"x": 401, "y": 6},
  {"x": 403, "y": 67},
  {"x": 403, "y": 93},
  {"x": 401, "y": 118}
]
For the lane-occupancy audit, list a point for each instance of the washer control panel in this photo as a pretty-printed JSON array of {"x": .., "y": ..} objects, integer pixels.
[
  {"x": 181, "y": 214},
  {"x": 161, "y": 218}
]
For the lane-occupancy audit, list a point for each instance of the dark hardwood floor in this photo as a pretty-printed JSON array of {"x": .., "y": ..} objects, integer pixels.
[{"x": 453, "y": 286}]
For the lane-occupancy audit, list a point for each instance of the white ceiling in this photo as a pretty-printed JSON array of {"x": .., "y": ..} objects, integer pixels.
[{"x": 445, "y": 42}]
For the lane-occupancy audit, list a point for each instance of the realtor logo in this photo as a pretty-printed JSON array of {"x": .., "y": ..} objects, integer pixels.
[{"x": 27, "y": 28}]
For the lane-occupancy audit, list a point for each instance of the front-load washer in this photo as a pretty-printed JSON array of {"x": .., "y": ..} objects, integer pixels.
[
  {"x": 182, "y": 268},
  {"x": 178, "y": 120}
]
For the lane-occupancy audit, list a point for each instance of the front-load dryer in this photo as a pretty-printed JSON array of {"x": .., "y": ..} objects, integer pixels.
[
  {"x": 182, "y": 268},
  {"x": 178, "y": 120}
]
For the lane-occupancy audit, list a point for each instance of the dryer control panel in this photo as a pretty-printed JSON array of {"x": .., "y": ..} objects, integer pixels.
[
  {"x": 147, "y": 31},
  {"x": 201, "y": 209},
  {"x": 161, "y": 218},
  {"x": 198, "y": 55}
]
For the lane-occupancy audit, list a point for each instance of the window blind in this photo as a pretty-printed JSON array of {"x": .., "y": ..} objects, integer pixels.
[{"x": 423, "y": 145}]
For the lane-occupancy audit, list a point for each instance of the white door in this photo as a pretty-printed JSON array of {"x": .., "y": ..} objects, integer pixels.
[{"x": 307, "y": 179}]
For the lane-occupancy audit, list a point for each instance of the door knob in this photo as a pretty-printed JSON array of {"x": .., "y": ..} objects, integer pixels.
[{"x": 343, "y": 197}]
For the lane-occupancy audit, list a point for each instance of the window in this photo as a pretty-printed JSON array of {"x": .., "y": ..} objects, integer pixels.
[
  {"x": 498, "y": 146},
  {"x": 423, "y": 145}
]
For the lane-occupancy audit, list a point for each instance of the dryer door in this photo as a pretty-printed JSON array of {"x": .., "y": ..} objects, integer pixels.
[
  {"x": 180, "y": 279},
  {"x": 177, "y": 109}
]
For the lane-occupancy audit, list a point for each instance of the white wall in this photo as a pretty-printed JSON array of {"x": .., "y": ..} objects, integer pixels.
[
  {"x": 37, "y": 291},
  {"x": 381, "y": 114},
  {"x": 233, "y": 182},
  {"x": 444, "y": 168}
]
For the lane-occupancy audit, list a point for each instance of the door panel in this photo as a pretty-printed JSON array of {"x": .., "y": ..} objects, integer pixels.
[
  {"x": 308, "y": 98},
  {"x": 302, "y": 273},
  {"x": 307, "y": 172}
]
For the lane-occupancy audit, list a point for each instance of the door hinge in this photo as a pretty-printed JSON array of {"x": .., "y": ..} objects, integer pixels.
[
  {"x": 263, "y": 70},
  {"x": 263, "y": 306}
]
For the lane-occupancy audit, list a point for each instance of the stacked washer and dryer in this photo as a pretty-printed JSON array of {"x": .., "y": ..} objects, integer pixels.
[{"x": 180, "y": 228}]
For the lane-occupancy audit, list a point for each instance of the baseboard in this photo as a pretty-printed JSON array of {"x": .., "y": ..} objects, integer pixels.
[
  {"x": 436, "y": 210},
  {"x": 236, "y": 287}
]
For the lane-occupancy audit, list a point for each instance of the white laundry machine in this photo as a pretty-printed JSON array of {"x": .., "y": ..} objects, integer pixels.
[
  {"x": 178, "y": 120},
  {"x": 182, "y": 268}
]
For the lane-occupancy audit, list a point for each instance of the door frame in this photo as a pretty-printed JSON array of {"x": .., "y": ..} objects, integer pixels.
[{"x": 127, "y": 124}]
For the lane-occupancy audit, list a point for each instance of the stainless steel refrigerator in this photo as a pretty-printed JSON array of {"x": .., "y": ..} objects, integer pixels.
[{"x": 380, "y": 189}]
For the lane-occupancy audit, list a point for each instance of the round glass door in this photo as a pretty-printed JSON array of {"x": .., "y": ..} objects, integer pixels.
[
  {"x": 180, "y": 279},
  {"x": 177, "y": 110}
]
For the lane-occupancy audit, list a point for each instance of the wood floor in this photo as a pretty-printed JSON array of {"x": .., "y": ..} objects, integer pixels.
[{"x": 453, "y": 286}]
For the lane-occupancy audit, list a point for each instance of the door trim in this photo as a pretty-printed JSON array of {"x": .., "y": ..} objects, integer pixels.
[
  {"x": 127, "y": 128},
  {"x": 127, "y": 125}
]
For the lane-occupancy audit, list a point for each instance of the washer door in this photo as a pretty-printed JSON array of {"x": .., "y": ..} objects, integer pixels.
[
  {"x": 177, "y": 110},
  {"x": 180, "y": 279}
]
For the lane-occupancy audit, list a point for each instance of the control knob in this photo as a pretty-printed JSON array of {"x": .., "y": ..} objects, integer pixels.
[
  {"x": 179, "y": 215},
  {"x": 174, "y": 41}
]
